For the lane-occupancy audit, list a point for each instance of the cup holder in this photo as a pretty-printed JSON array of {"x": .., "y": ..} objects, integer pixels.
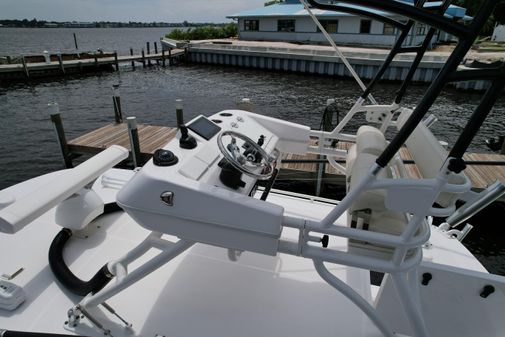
[
  {"x": 217, "y": 121},
  {"x": 225, "y": 114}
]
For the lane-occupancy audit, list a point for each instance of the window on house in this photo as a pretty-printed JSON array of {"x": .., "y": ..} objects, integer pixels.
[
  {"x": 365, "y": 26},
  {"x": 389, "y": 29},
  {"x": 286, "y": 25},
  {"x": 331, "y": 26},
  {"x": 253, "y": 25},
  {"x": 420, "y": 29}
]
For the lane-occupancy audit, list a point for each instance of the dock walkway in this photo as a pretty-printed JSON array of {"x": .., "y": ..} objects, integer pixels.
[
  {"x": 153, "y": 137},
  {"x": 44, "y": 69}
]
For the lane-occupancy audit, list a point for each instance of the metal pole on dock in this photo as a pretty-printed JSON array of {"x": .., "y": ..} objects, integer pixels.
[
  {"x": 116, "y": 62},
  {"x": 116, "y": 99},
  {"x": 134, "y": 140},
  {"x": 54, "y": 112},
  {"x": 143, "y": 59},
  {"x": 75, "y": 42},
  {"x": 163, "y": 62},
  {"x": 133, "y": 61}
]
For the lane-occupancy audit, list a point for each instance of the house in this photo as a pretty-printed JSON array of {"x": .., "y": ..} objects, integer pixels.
[{"x": 289, "y": 21}]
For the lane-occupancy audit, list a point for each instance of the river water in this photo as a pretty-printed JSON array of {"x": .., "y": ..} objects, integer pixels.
[{"x": 29, "y": 145}]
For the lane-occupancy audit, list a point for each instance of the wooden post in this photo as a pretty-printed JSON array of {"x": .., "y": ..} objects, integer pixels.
[
  {"x": 134, "y": 140},
  {"x": 116, "y": 100},
  {"x": 60, "y": 61},
  {"x": 25, "y": 67},
  {"x": 60, "y": 134},
  {"x": 163, "y": 62},
  {"x": 148, "y": 53},
  {"x": 156, "y": 52},
  {"x": 503, "y": 147},
  {"x": 170, "y": 61},
  {"x": 9, "y": 60},
  {"x": 133, "y": 61},
  {"x": 116, "y": 61},
  {"x": 143, "y": 59},
  {"x": 75, "y": 42}
]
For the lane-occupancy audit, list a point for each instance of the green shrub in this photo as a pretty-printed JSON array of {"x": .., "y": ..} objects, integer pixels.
[{"x": 204, "y": 33}]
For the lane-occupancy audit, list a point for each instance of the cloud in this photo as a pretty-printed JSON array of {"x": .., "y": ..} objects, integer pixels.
[{"x": 126, "y": 10}]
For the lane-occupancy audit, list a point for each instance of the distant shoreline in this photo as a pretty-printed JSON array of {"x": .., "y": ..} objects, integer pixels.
[{"x": 102, "y": 24}]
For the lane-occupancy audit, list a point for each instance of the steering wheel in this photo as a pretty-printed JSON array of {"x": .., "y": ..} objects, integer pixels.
[{"x": 252, "y": 161}]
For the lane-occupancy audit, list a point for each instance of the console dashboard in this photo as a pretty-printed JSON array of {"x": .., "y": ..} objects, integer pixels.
[{"x": 181, "y": 191}]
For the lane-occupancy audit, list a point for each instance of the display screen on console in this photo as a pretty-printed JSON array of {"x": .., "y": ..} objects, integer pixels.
[{"x": 204, "y": 128}]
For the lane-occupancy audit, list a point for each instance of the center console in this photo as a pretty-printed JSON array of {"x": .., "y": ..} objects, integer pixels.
[{"x": 191, "y": 190}]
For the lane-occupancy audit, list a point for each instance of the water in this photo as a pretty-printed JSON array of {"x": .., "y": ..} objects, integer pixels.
[
  {"x": 19, "y": 41},
  {"x": 29, "y": 145}
]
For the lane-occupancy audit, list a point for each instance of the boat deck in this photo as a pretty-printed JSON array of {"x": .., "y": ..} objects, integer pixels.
[{"x": 154, "y": 137}]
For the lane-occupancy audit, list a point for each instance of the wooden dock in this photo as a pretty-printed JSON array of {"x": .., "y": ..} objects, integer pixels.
[
  {"x": 25, "y": 70},
  {"x": 154, "y": 137}
]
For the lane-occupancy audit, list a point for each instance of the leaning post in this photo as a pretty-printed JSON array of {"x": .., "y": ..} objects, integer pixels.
[
  {"x": 54, "y": 112},
  {"x": 134, "y": 140},
  {"x": 116, "y": 99}
]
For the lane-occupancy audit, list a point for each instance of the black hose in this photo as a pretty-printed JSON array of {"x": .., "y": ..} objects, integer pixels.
[
  {"x": 65, "y": 276},
  {"x": 7, "y": 333}
]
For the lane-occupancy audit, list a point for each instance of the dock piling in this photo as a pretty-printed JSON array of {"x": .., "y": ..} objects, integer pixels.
[
  {"x": 143, "y": 59},
  {"x": 75, "y": 42},
  {"x": 25, "y": 67},
  {"x": 116, "y": 62},
  {"x": 54, "y": 112},
  {"x": 503, "y": 148},
  {"x": 134, "y": 140},
  {"x": 163, "y": 61},
  {"x": 133, "y": 62},
  {"x": 148, "y": 53},
  {"x": 60, "y": 61},
  {"x": 156, "y": 52},
  {"x": 170, "y": 60},
  {"x": 116, "y": 99}
]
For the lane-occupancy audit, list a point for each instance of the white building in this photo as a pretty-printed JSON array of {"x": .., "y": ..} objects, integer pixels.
[{"x": 289, "y": 21}]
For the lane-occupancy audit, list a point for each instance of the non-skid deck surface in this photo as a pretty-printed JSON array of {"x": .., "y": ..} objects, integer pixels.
[{"x": 155, "y": 137}]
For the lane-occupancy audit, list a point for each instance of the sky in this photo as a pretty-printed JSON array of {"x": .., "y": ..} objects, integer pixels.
[{"x": 125, "y": 10}]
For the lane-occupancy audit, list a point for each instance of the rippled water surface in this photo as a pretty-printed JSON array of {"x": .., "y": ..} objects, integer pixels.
[{"x": 29, "y": 145}]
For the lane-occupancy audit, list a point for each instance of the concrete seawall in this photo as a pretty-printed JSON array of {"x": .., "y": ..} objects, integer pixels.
[{"x": 319, "y": 60}]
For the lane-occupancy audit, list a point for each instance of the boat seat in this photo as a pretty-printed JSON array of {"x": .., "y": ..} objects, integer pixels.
[
  {"x": 368, "y": 211},
  {"x": 429, "y": 156}
]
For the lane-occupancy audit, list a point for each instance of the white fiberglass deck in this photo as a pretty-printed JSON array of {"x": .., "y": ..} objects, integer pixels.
[{"x": 200, "y": 293}]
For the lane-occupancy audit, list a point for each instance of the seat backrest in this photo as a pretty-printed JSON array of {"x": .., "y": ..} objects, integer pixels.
[{"x": 429, "y": 155}]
